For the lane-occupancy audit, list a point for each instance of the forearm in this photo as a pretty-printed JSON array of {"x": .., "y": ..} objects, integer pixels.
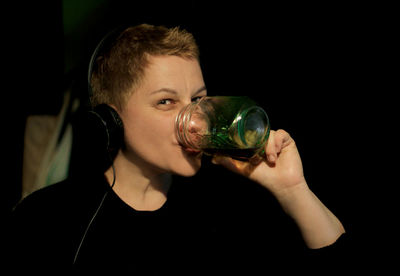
[{"x": 318, "y": 225}]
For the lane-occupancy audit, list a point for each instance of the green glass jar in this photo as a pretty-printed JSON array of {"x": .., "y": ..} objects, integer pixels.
[{"x": 226, "y": 125}]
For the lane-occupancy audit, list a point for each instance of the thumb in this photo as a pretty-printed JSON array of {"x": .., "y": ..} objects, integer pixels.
[
  {"x": 220, "y": 160},
  {"x": 236, "y": 166}
]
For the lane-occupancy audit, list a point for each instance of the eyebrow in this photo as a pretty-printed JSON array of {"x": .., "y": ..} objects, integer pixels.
[
  {"x": 168, "y": 90},
  {"x": 172, "y": 91},
  {"x": 201, "y": 89}
]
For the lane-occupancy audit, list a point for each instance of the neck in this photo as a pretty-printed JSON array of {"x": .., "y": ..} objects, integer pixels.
[{"x": 138, "y": 185}]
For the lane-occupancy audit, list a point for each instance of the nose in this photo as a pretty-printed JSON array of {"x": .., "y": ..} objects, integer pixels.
[
  {"x": 196, "y": 124},
  {"x": 191, "y": 126},
  {"x": 183, "y": 104},
  {"x": 197, "y": 129}
]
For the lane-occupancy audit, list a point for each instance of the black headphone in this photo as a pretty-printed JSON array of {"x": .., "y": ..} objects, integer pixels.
[
  {"x": 107, "y": 116},
  {"x": 112, "y": 127}
]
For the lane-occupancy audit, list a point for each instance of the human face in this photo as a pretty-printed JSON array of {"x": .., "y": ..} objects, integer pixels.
[{"x": 169, "y": 84}]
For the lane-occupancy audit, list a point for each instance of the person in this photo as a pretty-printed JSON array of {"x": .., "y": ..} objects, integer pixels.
[{"x": 131, "y": 216}]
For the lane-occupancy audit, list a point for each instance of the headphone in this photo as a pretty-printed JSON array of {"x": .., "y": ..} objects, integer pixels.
[
  {"x": 108, "y": 117},
  {"x": 112, "y": 127}
]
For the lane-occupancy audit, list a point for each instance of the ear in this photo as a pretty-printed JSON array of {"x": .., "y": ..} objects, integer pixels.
[{"x": 112, "y": 125}]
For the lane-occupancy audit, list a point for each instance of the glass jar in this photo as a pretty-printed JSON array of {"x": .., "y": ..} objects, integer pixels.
[{"x": 226, "y": 125}]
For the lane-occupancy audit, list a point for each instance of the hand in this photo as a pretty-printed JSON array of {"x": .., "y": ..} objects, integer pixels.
[
  {"x": 279, "y": 169},
  {"x": 281, "y": 172}
]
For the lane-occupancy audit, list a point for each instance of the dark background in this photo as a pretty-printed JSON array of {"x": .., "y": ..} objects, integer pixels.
[{"x": 319, "y": 70}]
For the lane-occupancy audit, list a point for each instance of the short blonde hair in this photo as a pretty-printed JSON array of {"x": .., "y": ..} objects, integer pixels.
[{"x": 120, "y": 69}]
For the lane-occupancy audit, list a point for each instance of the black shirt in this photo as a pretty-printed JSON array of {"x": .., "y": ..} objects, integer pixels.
[{"x": 197, "y": 231}]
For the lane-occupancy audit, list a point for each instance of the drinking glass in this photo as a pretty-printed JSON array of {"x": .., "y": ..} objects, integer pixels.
[{"x": 227, "y": 125}]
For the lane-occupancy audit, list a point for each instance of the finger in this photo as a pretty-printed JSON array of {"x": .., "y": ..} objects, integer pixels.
[
  {"x": 281, "y": 140},
  {"x": 236, "y": 166},
  {"x": 270, "y": 148},
  {"x": 279, "y": 136},
  {"x": 225, "y": 161}
]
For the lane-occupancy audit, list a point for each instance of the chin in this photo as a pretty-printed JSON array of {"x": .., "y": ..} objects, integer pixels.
[
  {"x": 188, "y": 167},
  {"x": 186, "y": 173}
]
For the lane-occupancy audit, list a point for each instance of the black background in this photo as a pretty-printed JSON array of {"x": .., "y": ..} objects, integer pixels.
[{"x": 321, "y": 72}]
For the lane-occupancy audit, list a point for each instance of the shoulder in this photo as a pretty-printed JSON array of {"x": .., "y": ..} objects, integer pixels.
[
  {"x": 56, "y": 199},
  {"x": 43, "y": 224},
  {"x": 49, "y": 194}
]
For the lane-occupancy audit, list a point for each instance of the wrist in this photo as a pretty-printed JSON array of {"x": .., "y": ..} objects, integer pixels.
[
  {"x": 291, "y": 191},
  {"x": 293, "y": 197}
]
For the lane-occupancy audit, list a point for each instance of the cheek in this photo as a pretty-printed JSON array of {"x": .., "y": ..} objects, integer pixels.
[
  {"x": 150, "y": 131},
  {"x": 150, "y": 136}
]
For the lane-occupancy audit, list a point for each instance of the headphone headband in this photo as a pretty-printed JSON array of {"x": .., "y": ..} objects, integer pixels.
[
  {"x": 108, "y": 116},
  {"x": 106, "y": 40}
]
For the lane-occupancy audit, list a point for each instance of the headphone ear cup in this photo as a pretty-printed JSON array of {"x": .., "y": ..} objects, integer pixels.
[{"x": 112, "y": 125}]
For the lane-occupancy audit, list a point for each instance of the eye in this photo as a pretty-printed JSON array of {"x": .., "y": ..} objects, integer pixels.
[
  {"x": 196, "y": 99},
  {"x": 166, "y": 101}
]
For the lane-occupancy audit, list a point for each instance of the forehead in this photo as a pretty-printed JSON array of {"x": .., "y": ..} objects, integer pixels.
[
  {"x": 171, "y": 69},
  {"x": 168, "y": 73}
]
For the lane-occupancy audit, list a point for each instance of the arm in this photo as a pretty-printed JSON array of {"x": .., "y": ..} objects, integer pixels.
[
  {"x": 318, "y": 225},
  {"x": 282, "y": 173}
]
